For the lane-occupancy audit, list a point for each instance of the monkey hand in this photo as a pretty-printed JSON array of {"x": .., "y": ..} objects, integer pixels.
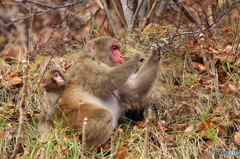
[
  {"x": 155, "y": 56},
  {"x": 140, "y": 56}
]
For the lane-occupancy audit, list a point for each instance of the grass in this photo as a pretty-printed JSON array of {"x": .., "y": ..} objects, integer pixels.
[{"x": 177, "y": 99}]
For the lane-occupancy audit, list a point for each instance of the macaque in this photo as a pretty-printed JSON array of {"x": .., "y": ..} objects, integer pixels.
[
  {"x": 53, "y": 85},
  {"x": 98, "y": 82}
]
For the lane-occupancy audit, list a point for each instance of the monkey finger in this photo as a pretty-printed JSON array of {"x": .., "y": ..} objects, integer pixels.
[
  {"x": 142, "y": 57},
  {"x": 155, "y": 56}
]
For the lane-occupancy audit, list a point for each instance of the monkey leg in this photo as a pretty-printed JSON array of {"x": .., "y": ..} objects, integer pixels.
[
  {"x": 99, "y": 123},
  {"x": 44, "y": 126}
]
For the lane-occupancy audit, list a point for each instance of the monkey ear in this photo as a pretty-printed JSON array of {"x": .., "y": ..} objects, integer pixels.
[
  {"x": 89, "y": 48},
  {"x": 42, "y": 82}
]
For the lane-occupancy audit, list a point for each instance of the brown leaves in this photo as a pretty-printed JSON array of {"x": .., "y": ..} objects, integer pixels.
[
  {"x": 222, "y": 54},
  {"x": 64, "y": 151},
  {"x": 151, "y": 28},
  {"x": 15, "y": 80},
  {"x": 228, "y": 49},
  {"x": 229, "y": 88},
  {"x": 215, "y": 126},
  {"x": 2, "y": 133},
  {"x": 190, "y": 128},
  {"x": 205, "y": 148},
  {"x": 237, "y": 137},
  {"x": 122, "y": 152},
  {"x": 199, "y": 66},
  {"x": 12, "y": 77}
]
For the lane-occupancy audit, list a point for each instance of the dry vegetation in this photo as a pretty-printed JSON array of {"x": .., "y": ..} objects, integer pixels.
[{"x": 193, "y": 108}]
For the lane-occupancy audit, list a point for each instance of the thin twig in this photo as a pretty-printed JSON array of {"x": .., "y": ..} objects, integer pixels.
[
  {"x": 110, "y": 18},
  {"x": 214, "y": 76},
  {"x": 185, "y": 12},
  {"x": 21, "y": 109},
  {"x": 211, "y": 69},
  {"x": 146, "y": 22},
  {"x": 84, "y": 149},
  {"x": 29, "y": 35},
  {"x": 40, "y": 11},
  {"x": 147, "y": 132},
  {"x": 119, "y": 15},
  {"x": 113, "y": 153},
  {"x": 100, "y": 4},
  {"x": 236, "y": 41},
  {"x": 135, "y": 14}
]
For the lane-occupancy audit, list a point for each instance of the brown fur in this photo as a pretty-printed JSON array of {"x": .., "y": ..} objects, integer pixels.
[
  {"x": 52, "y": 93},
  {"x": 91, "y": 83}
]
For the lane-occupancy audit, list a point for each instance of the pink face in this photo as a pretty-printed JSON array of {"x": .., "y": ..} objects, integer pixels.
[
  {"x": 117, "y": 56},
  {"x": 59, "y": 79}
]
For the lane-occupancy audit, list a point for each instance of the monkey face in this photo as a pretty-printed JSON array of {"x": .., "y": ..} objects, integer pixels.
[
  {"x": 58, "y": 79},
  {"x": 117, "y": 56}
]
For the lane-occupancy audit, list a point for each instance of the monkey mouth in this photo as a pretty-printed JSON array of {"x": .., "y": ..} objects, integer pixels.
[
  {"x": 61, "y": 83},
  {"x": 118, "y": 63}
]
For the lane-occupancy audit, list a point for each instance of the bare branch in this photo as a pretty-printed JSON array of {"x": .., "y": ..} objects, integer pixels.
[
  {"x": 146, "y": 22},
  {"x": 40, "y": 11},
  {"x": 84, "y": 150},
  {"x": 136, "y": 13},
  {"x": 147, "y": 132},
  {"x": 114, "y": 4},
  {"x": 21, "y": 109},
  {"x": 186, "y": 13},
  {"x": 110, "y": 18},
  {"x": 113, "y": 152}
]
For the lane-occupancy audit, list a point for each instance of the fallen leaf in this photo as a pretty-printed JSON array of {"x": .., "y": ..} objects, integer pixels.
[
  {"x": 189, "y": 44},
  {"x": 15, "y": 80},
  {"x": 237, "y": 137},
  {"x": 14, "y": 74},
  {"x": 207, "y": 124},
  {"x": 217, "y": 110},
  {"x": 122, "y": 152},
  {"x": 232, "y": 87},
  {"x": 227, "y": 49},
  {"x": 237, "y": 120},
  {"x": 140, "y": 124},
  {"x": 151, "y": 28},
  {"x": 229, "y": 88},
  {"x": 2, "y": 133},
  {"x": 64, "y": 151},
  {"x": 199, "y": 66},
  {"x": 212, "y": 50},
  {"x": 107, "y": 146},
  {"x": 190, "y": 128},
  {"x": 237, "y": 63}
]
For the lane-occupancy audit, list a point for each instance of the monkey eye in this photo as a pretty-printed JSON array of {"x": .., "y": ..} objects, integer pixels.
[
  {"x": 55, "y": 75},
  {"x": 115, "y": 47}
]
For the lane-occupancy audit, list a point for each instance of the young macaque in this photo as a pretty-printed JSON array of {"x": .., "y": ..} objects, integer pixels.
[
  {"x": 53, "y": 85},
  {"x": 98, "y": 82}
]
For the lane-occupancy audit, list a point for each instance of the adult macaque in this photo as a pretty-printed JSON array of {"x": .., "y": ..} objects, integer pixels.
[
  {"x": 53, "y": 85},
  {"x": 98, "y": 82}
]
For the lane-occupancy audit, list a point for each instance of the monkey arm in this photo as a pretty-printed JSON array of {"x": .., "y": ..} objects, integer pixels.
[
  {"x": 138, "y": 85},
  {"x": 118, "y": 75},
  {"x": 98, "y": 78}
]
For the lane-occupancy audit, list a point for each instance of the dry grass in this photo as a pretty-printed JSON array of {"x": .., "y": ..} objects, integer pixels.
[{"x": 175, "y": 99}]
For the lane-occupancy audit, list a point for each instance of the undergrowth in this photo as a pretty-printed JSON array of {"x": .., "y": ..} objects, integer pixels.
[{"x": 182, "y": 104}]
